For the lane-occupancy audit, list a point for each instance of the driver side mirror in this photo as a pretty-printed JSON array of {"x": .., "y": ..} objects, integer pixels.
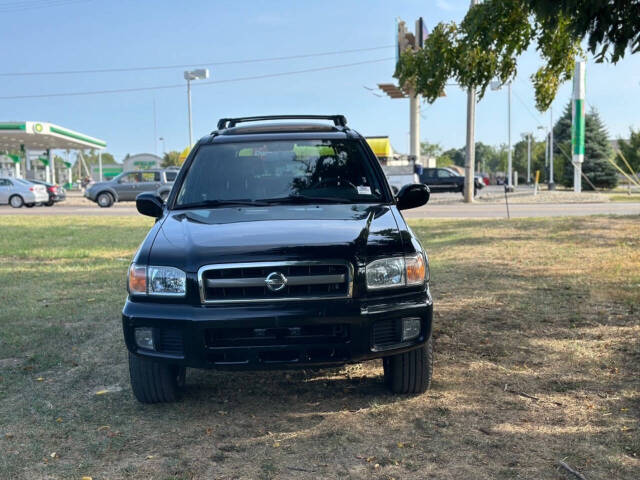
[
  {"x": 412, "y": 196},
  {"x": 150, "y": 204}
]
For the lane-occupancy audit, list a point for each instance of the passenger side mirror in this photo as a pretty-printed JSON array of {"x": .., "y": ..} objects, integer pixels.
[
  {"x": 412, "y": 196},
  {"x": 150, "y": 204}
]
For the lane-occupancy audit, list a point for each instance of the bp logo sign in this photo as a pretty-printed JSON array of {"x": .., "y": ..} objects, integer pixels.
[{"x": 38, "y": 128}]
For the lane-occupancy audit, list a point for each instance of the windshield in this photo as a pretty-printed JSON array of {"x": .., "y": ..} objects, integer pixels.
[{"x": 279, "y": 171}]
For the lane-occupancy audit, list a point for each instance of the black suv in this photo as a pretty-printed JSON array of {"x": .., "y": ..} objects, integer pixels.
[
  {"x": 444, "y": 180},
  {"x": 280, "y": 245}
]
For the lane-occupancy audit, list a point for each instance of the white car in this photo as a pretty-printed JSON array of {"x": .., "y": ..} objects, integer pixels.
[{"x": 17, "y": 192}]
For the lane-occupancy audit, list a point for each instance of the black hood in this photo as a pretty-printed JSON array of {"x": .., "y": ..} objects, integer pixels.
[{"x": 189, "y": 239}]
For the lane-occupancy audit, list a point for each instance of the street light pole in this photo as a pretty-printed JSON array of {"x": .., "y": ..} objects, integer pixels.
[
  {"x": 201, "y": 73},
  {"x": 189, "y": 107}
]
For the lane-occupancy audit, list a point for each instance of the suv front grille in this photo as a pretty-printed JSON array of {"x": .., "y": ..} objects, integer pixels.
[
  {"x": 274, "y": 281},
  {"x": 259, "y": 337}
]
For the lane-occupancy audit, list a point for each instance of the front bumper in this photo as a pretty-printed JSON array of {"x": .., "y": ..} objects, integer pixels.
[{"x": 283, "y": 335}]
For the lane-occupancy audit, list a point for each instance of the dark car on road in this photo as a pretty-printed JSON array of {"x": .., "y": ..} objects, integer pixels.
[
  {"x": 128, "y": 185},
  {"x": 445, "y": 180},
  {"x": 56, "y": 192},
  {"x": 281, "y": 245}
]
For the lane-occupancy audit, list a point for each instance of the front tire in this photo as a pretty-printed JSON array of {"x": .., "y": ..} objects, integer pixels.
[
  {"x": 409, "y": 372},
  {"x": 155, "y": 382},
  {"x": 104, "y": 200},
  {"x": 16, "y": 201},
  {"x": 49, "y": 203}
]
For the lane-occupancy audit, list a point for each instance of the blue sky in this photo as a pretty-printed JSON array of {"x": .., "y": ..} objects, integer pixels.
[{"x": 85, "y": 34}]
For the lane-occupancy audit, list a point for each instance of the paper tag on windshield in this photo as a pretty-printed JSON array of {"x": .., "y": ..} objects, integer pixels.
[{"x": 364, "y": 190}]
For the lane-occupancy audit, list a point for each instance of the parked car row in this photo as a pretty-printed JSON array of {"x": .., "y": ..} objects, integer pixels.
[{"x": 19, "y": 192}]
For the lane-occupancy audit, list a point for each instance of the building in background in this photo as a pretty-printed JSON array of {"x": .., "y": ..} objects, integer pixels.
[{"x": 142, "y": 161}]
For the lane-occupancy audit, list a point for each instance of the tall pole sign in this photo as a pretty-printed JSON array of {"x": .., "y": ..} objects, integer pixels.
[{"x": 577, "y": 125}]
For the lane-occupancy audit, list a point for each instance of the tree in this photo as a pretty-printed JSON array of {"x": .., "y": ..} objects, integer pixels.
[
  {"x": 597, "y": 152},
  {"x": 430, "y": 149},
  {"x": 92, "y": 158},
  {"x": 444, "y": 160},
  {"x": 456, "y": 155},
  {"x": 494, "y": 33},
  {"x": 631, "y": 150},
  {"x": 171, "y": 159}
]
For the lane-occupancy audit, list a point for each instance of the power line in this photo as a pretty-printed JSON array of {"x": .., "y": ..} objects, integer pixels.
[
  {"x": 182, "y": 85},
  {"x": 21, "y": 6},
  {"x": 534, "y": 116},
  {"x": 186, "y": 65}
]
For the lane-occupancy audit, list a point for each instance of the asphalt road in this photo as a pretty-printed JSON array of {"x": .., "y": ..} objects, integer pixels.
[{"x": 456, "y": 210}]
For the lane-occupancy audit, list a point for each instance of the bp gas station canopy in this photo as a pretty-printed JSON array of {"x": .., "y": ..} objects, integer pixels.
[
  {"x": 44, "y": 136},
  {"x": 25, "y": 137}
]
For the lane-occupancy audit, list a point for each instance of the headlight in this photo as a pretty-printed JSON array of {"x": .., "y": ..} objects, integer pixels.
[
  {"x": 396, "y": 272},
  {"x": 385, "y": 273},
  {"x": 165, "y": 281}
]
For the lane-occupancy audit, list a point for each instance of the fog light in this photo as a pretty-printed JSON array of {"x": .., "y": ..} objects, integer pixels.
[
  {"x": 410, "y": 328},
  {"x": 144, "y": 338}
]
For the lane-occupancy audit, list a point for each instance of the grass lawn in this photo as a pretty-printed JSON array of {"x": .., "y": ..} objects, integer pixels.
[
  {"x": 625, "y": 197},
  {"x": 537, "y": 359}
]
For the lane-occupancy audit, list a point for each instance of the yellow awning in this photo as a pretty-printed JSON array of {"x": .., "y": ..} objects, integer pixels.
[
  {"x": 183, "y": 155},
  {"x": 381, "y": 146}
]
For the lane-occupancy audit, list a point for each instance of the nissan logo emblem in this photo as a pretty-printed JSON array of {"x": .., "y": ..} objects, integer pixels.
[{"x": 275, "y": 281}]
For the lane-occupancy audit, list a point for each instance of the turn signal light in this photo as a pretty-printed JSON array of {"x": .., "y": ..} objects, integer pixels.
[
  {"x": 416, "y": 269},
  {"x": 137, "y": 279}
]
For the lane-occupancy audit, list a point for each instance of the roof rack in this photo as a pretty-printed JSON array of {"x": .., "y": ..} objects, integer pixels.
[{"x": 338, "y": 120}]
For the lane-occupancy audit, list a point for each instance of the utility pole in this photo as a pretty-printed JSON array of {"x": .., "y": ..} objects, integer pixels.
[
  {"x": 155, "y": 128},
  {"x": 414, "y": 126},
  {"x": 509, "y": 157},
  {"x": 528, "y": 158},
  {"x": 470, "y": 157},
  {"x": 552, "y": 185}
]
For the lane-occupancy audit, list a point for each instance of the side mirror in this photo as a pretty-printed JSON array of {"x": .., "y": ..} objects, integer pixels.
[
  {"x": 412, "y": 196},
  {"x": 150, "y": 204}
]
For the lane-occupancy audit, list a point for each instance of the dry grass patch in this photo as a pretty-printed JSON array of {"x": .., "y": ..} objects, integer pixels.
[{"x": 537, "y": 332}]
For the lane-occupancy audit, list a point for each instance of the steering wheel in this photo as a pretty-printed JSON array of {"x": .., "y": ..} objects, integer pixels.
[{"x": 333, "y": 181}]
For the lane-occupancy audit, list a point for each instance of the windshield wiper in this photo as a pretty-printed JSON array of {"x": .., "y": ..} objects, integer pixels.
[
  {"x": 223, "y": 203},
  {"x": 298, "y": 198}
]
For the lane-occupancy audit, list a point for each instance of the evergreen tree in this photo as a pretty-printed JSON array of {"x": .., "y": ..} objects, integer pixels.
[{"x": 598, "y": 151}]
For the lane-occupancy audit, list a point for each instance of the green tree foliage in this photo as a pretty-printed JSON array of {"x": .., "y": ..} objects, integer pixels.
[
  {"x": 91, "y": 158},
  {"x": 494, "y": 33},
  {"x": 171, "y": 159},
  {"x": 597, "y": 152},
  {"x": 631, "y": 151},
  {"x": 444, "y": 160},
  {"x": 456, "y": 155},
  {"x": 434, "y": 150},
  {"x": 428, "y": 149}
]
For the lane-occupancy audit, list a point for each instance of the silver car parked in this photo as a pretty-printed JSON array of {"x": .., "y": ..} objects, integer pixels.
[
  {"x": 17, "y": 192},
  {"x": 128, "y": 185}
]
